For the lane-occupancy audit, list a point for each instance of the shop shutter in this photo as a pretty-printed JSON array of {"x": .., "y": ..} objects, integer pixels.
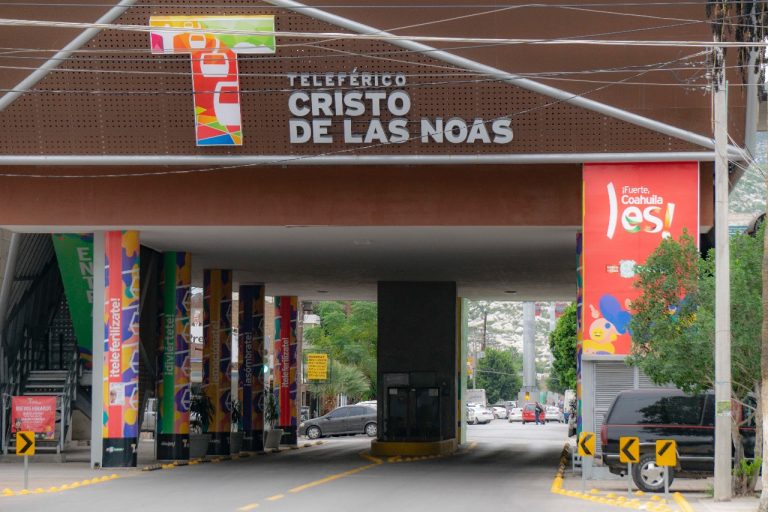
[{"x": 610, "y": 378}]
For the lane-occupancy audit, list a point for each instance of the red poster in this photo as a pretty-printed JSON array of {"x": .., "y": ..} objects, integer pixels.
[
  {"x": 34, "y": 413},
  {"x": 628, "y": 210}
]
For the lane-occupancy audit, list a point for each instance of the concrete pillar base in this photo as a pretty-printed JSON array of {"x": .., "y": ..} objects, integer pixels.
[{"x": 413, "y": 448}]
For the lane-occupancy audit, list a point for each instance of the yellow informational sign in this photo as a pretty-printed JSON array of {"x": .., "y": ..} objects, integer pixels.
[
  {"x": 629, "y": 450},
  {"x": 317, "y": 366},
  {"x": 587, "y": 444},
  {"x": 25, "y": 443},
  {"x": 666, "y": 453}
]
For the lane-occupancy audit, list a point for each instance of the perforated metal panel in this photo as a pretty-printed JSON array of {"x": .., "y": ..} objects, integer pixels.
[{"x": 152, "y": 113}]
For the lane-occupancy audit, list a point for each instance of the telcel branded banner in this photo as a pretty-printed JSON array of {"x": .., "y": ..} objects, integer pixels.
[
  {"x": 628, "y": 210},
  {"x": 74, "y": 252},
  {"x": 173, "y": 439},
  {"x": 217, "y": 355},
  {"x": 287, "y": 369},
  {"x": 251, "y": 334},
  {"x": 121, "y": 349}
]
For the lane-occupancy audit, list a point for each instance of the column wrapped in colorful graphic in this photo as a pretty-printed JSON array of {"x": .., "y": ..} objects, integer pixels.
[
  {"x": 174, "y": 389},
  {"x": 251, "y": 335},
  {"x": 121, "y": 349},
  {"x": 74, "y": 252},
  {"x": 217, "y": 355},
  {"x": 579, "y": 324},
  {"x": 286, "y": 372}
]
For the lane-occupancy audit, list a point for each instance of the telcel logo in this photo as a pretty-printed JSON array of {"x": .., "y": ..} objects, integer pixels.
[
  {"x": 215, "y": 81},
  {"x": 653, "y": 218}
]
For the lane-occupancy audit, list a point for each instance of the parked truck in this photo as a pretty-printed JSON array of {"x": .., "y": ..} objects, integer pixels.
[{"x": 476, "y": 396}]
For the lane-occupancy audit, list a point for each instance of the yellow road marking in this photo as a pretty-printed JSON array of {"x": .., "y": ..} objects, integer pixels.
[
  {"x": 276, "y": 497},
  {"x": 376, "y": 461},
  {"x": 248, "y": 507}
]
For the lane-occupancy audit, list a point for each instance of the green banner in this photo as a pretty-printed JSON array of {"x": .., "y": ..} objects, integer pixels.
[{"x": 74, "y": 253}]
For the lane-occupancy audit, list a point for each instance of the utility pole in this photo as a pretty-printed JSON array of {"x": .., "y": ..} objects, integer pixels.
[
  {"x": 722, "y": 289},
  {"x": 529, "y": 347}
]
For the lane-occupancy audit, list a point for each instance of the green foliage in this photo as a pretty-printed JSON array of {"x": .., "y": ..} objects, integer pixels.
[
  {"x": 202, "y": 411},
  {"x": 562, "y": 344},
  {"x": 348, "y": 334},
  {"x": 673, "y": 323},
  {"x": 342, "y": 379},
  {"x": 499, "y": 374},
  {"x": 271, "y": 409},
  {"x": 748, "y": 468}
]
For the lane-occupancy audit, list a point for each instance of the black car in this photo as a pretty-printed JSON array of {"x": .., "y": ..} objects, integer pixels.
[
  {"x": 658, "y": 414},
  {"x": 351, "y": 419}
]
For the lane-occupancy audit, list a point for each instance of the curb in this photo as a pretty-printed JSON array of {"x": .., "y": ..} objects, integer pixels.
[
  {"x": 222, "y": 458},
  {"x": 655, "y": 504},
  {"x": 66, "y": 487}
]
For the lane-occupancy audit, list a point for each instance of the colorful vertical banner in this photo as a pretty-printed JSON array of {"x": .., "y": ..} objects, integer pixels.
[
  {"x": 74, "y": 253},
  {"x": 251, "y": 335},
  {"x": 174, "y": 389},
  {"x": 217, "y": 355},
  {"x": 628, "y": 210},
  {"x": 287, "y": 366},
  {"x": 579, "y": 324},
  {"x": 215, "y": 81},
  {"x": 121, "y": 349}
]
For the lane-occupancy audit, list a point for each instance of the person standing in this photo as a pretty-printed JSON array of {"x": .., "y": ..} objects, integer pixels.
[{"x": 537, "y": 411}]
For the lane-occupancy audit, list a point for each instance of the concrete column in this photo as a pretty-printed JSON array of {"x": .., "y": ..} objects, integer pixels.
[
  {"x": 120, "y": 389},
  {"x": 97, "y": 395},
  {"x": 461, "y": 419},
  {"x": 417, "y": 359},
  {"x": 175, "y": 393},
  {"x": 529, "y": 347},
  {"x": 251, "y": 337},
  {"x": 286, "y": 366},
  {"x": 217, "y": 354}
]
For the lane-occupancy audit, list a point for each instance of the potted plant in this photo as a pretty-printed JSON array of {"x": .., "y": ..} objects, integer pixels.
[
  {"x": 200, "y": 416},
  {"x": 236, "y": 436},
  {"x": 271, "y": 415}
]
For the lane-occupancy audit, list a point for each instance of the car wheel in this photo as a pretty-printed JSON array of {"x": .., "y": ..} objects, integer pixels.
[
  {"x": 649, "y": 477},
  {"x": 523, "y": 422},
  {"x": 314, "y": 432},
  {"x": 370, "y": 429}
]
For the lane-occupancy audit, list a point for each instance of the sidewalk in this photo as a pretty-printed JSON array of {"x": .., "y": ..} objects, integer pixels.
[{"x": 48, "y": 471}]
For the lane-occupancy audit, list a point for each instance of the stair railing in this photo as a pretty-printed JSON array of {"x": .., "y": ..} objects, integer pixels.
[{"x": 68, "y": 397}]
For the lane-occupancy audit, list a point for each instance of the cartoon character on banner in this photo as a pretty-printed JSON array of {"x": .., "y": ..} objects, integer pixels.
[{"x": 610, "y": 322}]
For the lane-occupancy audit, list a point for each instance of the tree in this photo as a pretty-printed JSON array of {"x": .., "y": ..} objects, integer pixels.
[
  {"x": 347, "y": 333},
  {"x": 673, "y": 324},
  {"x": 343, "y": 379},
  {"x": 499, "y": 374},
  {"x": 562, "y": 344},
  {"x": 747, "y": 21}
]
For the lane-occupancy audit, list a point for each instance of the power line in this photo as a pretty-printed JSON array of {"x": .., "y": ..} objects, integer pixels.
[
  {"x": 388, "y": 37},
  {"x": 299, "y": 158}
]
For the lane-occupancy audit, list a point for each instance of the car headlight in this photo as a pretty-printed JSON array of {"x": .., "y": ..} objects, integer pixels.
[{"x": 301, "y": 425}]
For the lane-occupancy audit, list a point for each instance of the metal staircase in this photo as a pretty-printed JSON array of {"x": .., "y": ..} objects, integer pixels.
[{"x": 59, "y": 383}]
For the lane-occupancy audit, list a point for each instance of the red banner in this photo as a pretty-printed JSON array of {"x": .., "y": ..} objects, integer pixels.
[
  {"x": 34, "y": 413},
  {"x": 628, "y": 210}
]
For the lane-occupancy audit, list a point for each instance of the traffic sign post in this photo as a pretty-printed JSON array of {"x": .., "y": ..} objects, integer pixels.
[
  {"x": 666, "y": 457},
  {"x": 25, "y": 446},
  {"x": 586, "y": 449},
  {"x": 629, "y": 453}
]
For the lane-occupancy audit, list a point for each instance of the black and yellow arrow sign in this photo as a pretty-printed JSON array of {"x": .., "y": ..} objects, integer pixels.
[
  {"x": 25, "y": 443},
  {"x": 587, "y": 444},
  {"x": 629, "y": 450},
  {"x": 666, "y": 453}
]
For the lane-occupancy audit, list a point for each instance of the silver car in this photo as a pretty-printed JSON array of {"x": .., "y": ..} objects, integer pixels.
[{"x": 350, "y": 419}]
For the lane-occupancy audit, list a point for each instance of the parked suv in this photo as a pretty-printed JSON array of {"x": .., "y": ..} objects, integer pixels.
[{"x": 657, "y": 414}]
